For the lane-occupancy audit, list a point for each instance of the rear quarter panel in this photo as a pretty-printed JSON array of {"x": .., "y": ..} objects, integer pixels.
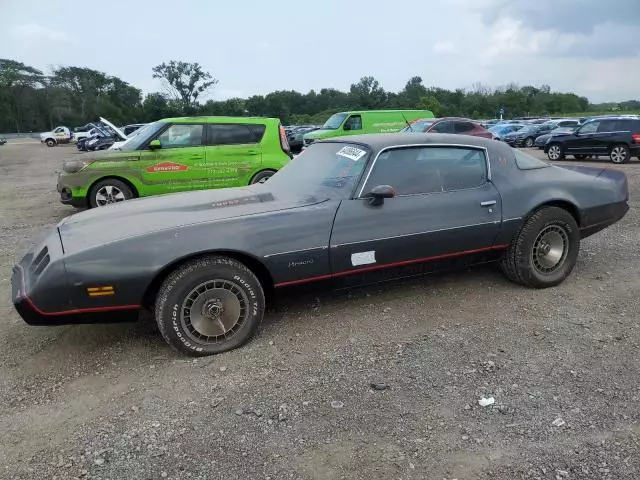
[{"x": 523, "y": 191}]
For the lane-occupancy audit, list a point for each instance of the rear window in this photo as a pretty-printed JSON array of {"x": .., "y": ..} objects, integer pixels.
[
  {"x": 234, "y": 134},
  {"x": 627, "y": 126},
  {"x": 461, "y": 127},
  {"x": 527, "y": 162}
]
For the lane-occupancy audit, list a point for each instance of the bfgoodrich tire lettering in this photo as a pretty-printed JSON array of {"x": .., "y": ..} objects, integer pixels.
[
  {"x": 544, "y": 251},
  {"x": 190, "y": 306}
]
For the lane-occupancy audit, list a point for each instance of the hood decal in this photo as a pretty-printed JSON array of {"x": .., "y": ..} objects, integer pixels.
[{"x": 232, "y": 202}]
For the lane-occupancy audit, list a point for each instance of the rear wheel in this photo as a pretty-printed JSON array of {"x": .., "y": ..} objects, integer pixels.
[
  {"x": 545, "y": 250},
  {"x": 555, "y": 152},
  {"x": 262, "y": 176},
  {"x": 109, "y": 191},
  {"x": 620, "y": 153},
  {"x": 209, "y": 305},
  {"x": 529, "y": 142},
  {"x": 50, "y": 142}
]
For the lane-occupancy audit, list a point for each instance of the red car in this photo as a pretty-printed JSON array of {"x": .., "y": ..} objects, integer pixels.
[{"x": 461, "y": 126}]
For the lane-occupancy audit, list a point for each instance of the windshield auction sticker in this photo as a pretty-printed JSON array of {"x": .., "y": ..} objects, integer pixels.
[{"x": 352, "y": 153}]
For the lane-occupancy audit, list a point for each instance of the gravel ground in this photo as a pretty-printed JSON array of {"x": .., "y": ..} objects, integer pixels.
[{"x": 381, "y": 382}]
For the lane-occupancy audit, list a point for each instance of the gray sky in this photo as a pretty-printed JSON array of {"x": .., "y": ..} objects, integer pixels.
[{"x": 591, "y": 47}]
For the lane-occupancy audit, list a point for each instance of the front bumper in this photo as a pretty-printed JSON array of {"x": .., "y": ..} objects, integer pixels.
[
  {"x": 42, "y": 296},
  {"x": 67, "y": 194},
  {"x": 514, "y": 142}
]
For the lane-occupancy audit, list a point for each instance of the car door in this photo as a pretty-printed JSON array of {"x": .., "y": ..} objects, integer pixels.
[
  {"x": 583, "y": 141},
  {"x": 445, "y": 210},
  {"x": 605, "y": 137},
  {"x": 178, "y": 165},
  {"x": 234, "y": 153}
]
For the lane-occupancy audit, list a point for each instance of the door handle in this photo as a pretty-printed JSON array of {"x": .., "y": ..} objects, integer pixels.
[
  {"x": 252, "y": 152},
  {"x": 488, "y": 203},
  {"x": 197, "y": 157}
]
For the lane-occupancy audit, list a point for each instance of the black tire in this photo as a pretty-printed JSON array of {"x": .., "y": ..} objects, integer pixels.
[
  {"x": 524, "y": 265},
  {"x": 620, "y": 153},
  {"x": 528, "y": 143},
  {"x": 200, "y": 335},
  {"x": 261, "y": 177},
  {"x": 554, "y": 154},
  {"x": 112, "y": 189},
  {"x": 50, "y": 142},
  {"x": 580, "y": 156}
]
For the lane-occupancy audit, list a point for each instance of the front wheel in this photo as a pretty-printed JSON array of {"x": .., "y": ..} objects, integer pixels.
[
  {"x": 545, "y": 250},
  {"x": 529, "y": 142},
  {"x": 109, "y": 191},
  {"x": 262, "y": 176},
  {"x": 555, "y": 152},
  {"x": 209, "y": 305},
  {"x": 620, "y": 154}
]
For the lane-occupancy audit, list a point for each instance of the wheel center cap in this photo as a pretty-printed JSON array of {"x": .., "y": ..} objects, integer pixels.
[
  {"x": 544, "y": 248},
  {"x": 213, "y": 309}
]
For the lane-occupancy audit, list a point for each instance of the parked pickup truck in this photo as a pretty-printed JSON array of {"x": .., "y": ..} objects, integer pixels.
[{"x": 56, "y": 136}]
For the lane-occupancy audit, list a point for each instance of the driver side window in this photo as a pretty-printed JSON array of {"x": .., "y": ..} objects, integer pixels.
[
  {"x": 421, "y": 170},
  {"x": 181, "y": 135},
  {"x": 353, "y": 123},
  {"x": 591, "y": 127}
]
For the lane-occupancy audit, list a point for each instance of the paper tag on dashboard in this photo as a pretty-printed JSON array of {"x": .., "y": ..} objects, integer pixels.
[{"x": 352, "y": 153}]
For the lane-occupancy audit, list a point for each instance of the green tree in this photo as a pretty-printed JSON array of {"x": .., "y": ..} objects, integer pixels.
[
  {"x": 184, "y": 81},
  {"x": 18, "y": 98},
  {"x": 367, "y": 94}
]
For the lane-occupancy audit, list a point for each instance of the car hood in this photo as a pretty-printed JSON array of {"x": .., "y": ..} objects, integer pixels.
[
  {"x": 103, "y": 225},
  {"x": 120, "y": 133}
]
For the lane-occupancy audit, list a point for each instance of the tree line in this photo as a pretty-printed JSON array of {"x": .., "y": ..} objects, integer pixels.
[{"x": 31, "y": 100}]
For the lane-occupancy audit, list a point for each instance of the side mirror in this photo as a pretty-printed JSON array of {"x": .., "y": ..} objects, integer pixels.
[
  {"x": 576, "y": 133},
  {"x": 155, "y": 144},
  {"x": 377, "y": 195},
  {"x": 347, "y": 126}
]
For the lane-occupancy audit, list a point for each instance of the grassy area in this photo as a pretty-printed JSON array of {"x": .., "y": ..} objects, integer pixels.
[{"x": 602, "y": 112}]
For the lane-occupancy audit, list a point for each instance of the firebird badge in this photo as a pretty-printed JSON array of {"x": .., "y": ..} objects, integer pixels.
[{"x": 167, "y": 167}]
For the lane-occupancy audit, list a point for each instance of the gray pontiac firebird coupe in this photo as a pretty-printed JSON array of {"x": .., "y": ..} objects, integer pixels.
[{"x": 347, "y": 211}]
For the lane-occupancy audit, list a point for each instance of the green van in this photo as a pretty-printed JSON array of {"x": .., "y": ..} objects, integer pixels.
[
  {"x": 365, "y": 121},
  {"x": 177, "y": 154}
]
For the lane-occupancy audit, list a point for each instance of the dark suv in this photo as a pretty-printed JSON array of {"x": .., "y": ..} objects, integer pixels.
[{"x": 616, "y": 137}]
